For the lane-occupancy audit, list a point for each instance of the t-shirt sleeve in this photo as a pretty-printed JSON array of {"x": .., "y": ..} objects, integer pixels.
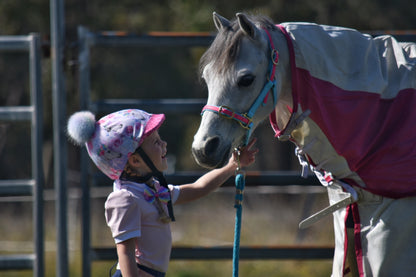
[
  {"x": 123, "y": 216},
  {"x": 174, "y": 192}
]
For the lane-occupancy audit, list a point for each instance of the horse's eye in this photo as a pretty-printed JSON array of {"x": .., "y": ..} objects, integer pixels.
[{"x": 246, "y": 80}]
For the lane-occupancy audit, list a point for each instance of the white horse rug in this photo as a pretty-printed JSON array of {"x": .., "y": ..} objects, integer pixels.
[{"x": 359, "y": 94}]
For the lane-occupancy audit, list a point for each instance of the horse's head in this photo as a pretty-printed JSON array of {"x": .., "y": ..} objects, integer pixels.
[{"x": 236, "y": 68}]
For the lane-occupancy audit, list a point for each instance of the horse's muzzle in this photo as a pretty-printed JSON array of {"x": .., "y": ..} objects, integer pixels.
[{"x": 209, "y": 153}]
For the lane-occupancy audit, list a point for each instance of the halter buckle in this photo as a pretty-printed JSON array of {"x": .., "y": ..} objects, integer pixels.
[
  {"x": 221, "y": 112},
  {"x": 275, "y": 56},
  {"x": 247, "y": 125},
  {"x": 228, "y": 113}
]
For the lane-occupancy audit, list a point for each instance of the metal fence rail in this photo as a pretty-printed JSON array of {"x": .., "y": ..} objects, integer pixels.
[
  {"x": 16, "y": 187},
  {"x": 34, "y": 186},
  {"x": 226, "y": 253},
  {"x": 20, "y": 262}
]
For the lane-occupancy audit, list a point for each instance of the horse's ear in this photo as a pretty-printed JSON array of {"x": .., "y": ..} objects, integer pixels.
[
  {"x": 246, "y": 25},
  {"x": 220, "y": 22}
]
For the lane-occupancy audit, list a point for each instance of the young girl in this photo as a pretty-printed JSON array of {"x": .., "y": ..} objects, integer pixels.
[{"x": 126, "y": 146}]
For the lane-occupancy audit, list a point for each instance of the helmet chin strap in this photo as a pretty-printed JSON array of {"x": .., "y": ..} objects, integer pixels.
[
  {"x": 158, "y": 175},
  {"x": 138, "y": 179}
]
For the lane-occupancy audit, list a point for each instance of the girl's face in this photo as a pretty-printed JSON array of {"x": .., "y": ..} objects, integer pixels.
[{"x": 156, "y": 149}]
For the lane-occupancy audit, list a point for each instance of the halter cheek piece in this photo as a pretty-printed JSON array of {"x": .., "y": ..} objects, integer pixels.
[{"x": 245, "y": 119}]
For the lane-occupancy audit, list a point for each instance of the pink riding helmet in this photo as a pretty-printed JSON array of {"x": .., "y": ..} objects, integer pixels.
[{"x": 111, "y": 140}]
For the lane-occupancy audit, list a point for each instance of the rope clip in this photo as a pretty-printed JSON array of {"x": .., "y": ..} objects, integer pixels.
[{"x": 238, "y": 169}]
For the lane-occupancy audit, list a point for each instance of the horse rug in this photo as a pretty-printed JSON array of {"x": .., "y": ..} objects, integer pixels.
[{"x": 353, "y": 122}]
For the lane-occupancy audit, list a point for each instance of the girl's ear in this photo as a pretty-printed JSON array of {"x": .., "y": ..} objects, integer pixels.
[{"x": 134, "y": 161}]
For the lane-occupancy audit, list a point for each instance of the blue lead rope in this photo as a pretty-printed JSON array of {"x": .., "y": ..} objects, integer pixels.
[{"x": 239, "y": 184}]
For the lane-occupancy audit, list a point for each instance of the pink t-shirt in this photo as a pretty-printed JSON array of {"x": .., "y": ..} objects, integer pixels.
[{"x": 129, "y": 215}]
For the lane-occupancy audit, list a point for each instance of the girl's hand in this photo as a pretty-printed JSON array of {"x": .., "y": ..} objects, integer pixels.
[
  {"x": 216, "y": 177},
  {"x": 247, "y": 154}
]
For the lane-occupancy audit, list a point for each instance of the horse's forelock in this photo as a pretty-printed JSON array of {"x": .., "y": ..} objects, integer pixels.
[{"x": 224, "y": 50}]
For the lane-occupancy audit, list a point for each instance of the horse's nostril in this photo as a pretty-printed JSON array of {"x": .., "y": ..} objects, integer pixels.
[{"x": 212, "y": 145}]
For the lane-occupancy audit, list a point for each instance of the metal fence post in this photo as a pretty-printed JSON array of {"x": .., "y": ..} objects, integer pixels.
[
  {"x": 84, "y": 87},
  {"x": 59, "y": 137},
  {"x": 37, "y": 139}
]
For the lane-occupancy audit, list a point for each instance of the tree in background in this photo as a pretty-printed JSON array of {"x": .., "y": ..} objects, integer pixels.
[{"x": 134, "y": 73}]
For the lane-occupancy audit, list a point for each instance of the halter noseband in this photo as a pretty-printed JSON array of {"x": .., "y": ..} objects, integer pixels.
[{"x": 245, "y": 119}]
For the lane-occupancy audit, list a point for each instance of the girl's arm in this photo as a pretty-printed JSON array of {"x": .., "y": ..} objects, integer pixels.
[
  {"x": 215, "y": 178},
  {"x": 126, "y": 258}
]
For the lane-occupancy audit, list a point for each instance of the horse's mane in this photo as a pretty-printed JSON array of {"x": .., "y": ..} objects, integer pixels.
[{"x": 225, "y": 48}]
